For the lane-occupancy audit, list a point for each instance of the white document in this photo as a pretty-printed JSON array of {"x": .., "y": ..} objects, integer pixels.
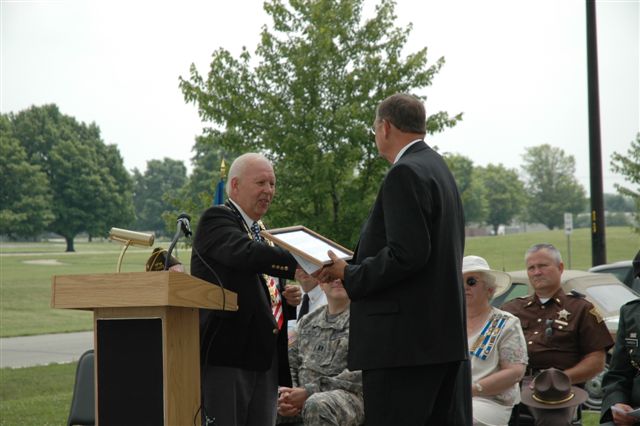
[
  {"x": 309, "y": 267},
  {"x": 311, "y": 245}
]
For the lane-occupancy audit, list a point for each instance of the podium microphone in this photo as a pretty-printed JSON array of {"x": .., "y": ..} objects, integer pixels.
[
  {"x": 185, "y": 224},
  {"x": 183, "y": 227}
]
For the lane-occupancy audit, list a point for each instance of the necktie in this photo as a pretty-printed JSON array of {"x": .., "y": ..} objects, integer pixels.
[
  {"x": 304, "y": 308},
  {"x": 255, "y": 231}
]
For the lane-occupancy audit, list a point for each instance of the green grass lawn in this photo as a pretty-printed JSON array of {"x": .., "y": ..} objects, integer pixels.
[
  {"x": 506, "y": 252},
  {"x": 36, "y": 395},
  {"x": 26, "y": 270},
  {"x": 42, "y": 395}
]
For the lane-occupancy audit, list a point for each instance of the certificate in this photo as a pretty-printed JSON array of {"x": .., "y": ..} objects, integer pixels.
[{"x": 308, "y": 247}]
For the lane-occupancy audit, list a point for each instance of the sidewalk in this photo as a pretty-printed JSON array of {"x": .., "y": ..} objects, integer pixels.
[{"x": 28, "y": 351}]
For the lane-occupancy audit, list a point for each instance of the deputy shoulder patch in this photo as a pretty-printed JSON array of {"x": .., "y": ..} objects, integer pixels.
[
  {"x": 594, "y": 311},
  {"x": 576, "y": 293}
]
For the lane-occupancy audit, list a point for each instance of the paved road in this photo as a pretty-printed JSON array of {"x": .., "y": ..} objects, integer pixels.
[{"x": 27, "y": 351}]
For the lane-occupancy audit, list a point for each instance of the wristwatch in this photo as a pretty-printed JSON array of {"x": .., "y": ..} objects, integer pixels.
[{"x": 478, "y": 387}]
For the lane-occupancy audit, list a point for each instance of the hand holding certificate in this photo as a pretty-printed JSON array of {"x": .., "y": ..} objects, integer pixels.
[
  {"x": 307, "y": 247},
  {"x": 635, "y": 413}
]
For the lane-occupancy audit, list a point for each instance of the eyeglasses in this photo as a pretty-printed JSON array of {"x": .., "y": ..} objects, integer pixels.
[
  {"x": 471, "y": 281},
  {"x": 375, "y": 126}
]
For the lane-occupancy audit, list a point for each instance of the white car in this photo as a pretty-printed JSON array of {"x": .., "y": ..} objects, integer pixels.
[{"x": 623, "y": 271}]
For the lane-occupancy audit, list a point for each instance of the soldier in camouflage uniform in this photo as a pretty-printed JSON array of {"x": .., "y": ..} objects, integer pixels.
[{"x": 324, "y": 391}]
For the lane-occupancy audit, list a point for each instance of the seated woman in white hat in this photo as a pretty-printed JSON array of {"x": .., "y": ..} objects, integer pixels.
[{"x": 497, "y": 347}]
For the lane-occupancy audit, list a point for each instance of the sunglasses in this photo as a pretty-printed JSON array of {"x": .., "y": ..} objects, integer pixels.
[
  {"x": 548, "y": 331},
  {"x": 471, "y": 281}
]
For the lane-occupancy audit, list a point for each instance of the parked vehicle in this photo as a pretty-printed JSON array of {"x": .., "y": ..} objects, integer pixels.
[
  {"x": 623, "y": 270},
  {"x": 604, "y": 290}
]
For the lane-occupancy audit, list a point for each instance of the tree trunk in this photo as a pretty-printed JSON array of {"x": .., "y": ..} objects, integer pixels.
[{"x": 69, "y": 241}]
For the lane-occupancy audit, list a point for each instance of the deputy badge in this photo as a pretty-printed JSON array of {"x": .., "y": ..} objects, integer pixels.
[
  {"x": 594, "y": 311},
  {"x": 564, "y": 315}
]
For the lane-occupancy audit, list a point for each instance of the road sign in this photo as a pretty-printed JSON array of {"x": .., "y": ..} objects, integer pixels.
[{"x": 568, "y": 223}]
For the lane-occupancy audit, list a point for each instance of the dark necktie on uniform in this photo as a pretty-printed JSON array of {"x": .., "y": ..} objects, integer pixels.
[
  {"x": 255, "y": 230},
  {"x": 304, "y": 308}
]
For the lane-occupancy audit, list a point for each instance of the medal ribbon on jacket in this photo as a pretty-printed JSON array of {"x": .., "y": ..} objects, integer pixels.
[
  {"x": 487, "y": 339},
  {"x": 272, "y": 283}
]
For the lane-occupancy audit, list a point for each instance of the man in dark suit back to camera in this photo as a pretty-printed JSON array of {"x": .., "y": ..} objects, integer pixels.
[
  {"x": 408, "y": 328},
  {"x": 244, "y": 354}
]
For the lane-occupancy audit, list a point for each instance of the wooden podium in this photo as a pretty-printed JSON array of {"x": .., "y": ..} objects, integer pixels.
[{"x": 146, "y": 340}]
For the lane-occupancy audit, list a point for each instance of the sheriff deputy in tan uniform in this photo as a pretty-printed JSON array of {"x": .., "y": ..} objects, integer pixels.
[{"x": 563, "y": 331}]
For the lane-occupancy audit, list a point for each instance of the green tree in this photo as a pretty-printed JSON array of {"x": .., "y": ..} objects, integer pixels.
[
  {"x": 199, "y": 191},
  {"x": 91, "y": 190},
  {"x": 25, "y": 196},
  {"x": 161, "y": 180},
  {"x": 618, "y": 203},
  {"x": 504, "y": 194},
  {"x": 629, "y": 166},
  {"x": 551, "y": 185},
  {"x": 307, "y": 101},
  {"x": 471, "y": 189},
  {"x": 117, "y": 208}
]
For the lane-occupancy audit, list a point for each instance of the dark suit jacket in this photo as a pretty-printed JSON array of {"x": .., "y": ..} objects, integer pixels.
[
  {"x": 405, "y": 282},
  {"x": 622, "y": 382},
  {"x": 247, "y": 338}
]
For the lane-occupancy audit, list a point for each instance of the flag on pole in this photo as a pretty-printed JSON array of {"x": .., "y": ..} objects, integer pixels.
[{"x": 219, "y": 195}]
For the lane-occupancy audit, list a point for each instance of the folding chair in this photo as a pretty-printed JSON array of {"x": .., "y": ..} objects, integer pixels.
[{"x": 82, "y": 410}]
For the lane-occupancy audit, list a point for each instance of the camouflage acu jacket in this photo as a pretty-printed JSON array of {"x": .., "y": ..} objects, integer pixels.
[{"x": 318, "y": 356}]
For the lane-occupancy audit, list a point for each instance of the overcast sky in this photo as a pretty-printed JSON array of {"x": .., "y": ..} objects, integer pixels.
[{"x": 515, "y": 68}]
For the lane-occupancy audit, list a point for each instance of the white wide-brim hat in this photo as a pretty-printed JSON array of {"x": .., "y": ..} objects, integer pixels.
[{"x": 478, "y": 264}]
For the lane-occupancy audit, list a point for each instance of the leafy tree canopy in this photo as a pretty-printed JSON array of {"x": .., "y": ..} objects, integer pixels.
[
  {"x": 161, "y": 180},
  {"x": 504, "y": 194},
  {"x": 90, "y": 189},
  {"x": 307, "y": 100},
  {"x": 472, "y": 192},
  {"x": 629, "y": 166},
  {"x": 25, "y": 195},
  {"x": 551, "y": 186}
]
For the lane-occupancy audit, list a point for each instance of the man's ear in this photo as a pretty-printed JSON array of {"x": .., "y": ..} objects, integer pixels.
[
  {"x": 386, "y": 128},
  {"x": 234, "y": 184}
]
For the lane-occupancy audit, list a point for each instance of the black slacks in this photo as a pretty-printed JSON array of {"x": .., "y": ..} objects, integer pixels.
[{"x": 437, "y": 394}]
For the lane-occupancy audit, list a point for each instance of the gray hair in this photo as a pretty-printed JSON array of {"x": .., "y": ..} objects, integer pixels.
[
  {"x": 553, "y": 251},
  {"x": 239, "y": 166},
  {"x": 489, "y": 279}
]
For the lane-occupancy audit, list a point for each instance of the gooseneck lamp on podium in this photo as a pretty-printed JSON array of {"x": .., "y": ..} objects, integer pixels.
[{"x": 129, "y": 238}]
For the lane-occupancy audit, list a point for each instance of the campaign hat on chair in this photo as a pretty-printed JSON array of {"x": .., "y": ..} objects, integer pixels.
[
  {"x": 478, "y": 264},
  {"x": 552, "y": 389},
  {"x": 157, "y": 259}
]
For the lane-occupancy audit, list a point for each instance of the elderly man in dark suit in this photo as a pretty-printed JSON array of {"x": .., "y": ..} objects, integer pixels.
[
  {"x": 244, "y": 353},
  {"x": 408, "y": 328}
]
